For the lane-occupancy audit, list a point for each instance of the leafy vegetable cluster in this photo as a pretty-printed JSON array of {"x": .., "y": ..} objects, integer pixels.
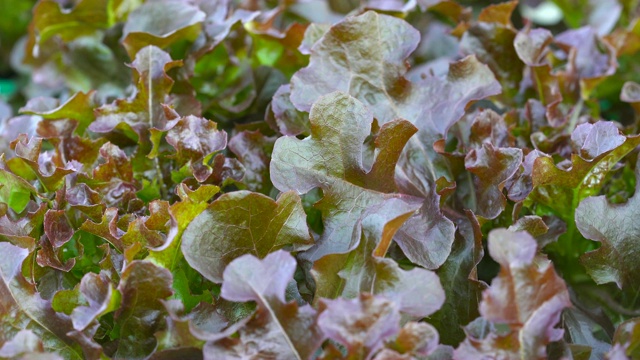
[{"x": 374, "y": 179}]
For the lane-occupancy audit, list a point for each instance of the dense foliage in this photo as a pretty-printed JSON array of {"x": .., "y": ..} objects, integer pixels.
[{"x": 374, "y": 179}]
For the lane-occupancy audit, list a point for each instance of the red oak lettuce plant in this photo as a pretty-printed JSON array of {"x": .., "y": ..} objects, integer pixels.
[{"x": 306, "y": 179}]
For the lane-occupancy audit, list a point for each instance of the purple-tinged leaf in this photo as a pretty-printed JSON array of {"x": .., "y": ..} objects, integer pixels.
[
  {"x": 390, "y": 5},
  {"x": 26, "y": 345},
  {"x": 415, "y": 338},
  {"x": 459, "y": 277},
  {"x": 292, "y": 330},
  {"x": 194, "y": 139},
  {"x": 116, "y": 165},
  {"x": 219, "y": 22},
  {"x": 112, "y": 263},
  {"x": 591, "y": 59},
  {"x": 47, "y": 255},
  {"x": 244, "y": 279},
  {"x": 491, "y": 39},
  {"x": 107, "y": 228},
  {"x": 339, "y": 126},
  {"x": 57, "y": 227},
  {"x": 24, "y": 231},
  {"x": 626, "y": 341},
  {"x": 442, "y": 104},
  {"x": 43, "y": 164},
  {"x": 12, "y": 127},
  {"x": 426, "y": 238},
  {"x": 490, "y": 128},
  {"x": 144, "y": 111},
  {"x": 364, "y": 65},
  {"x": 613, "y": 226},
  {"x": 262, "y": 337},
  {"x": 371, "y": 68},
  {"x": 417, "y": 292},
  {"x": 178, "y": 335},
  {"x": 79, "y": 152},
  {"x": 593, "y": 140},
  {"x": 350, "y": 273},
  {"x": 313, "y": 33},
  {"x": 531, "y": 45},
  {"x": 283, "y": 115},
  {"x": 630, "y": 93},
  {"x": 520, "y": 185},
  {"x": 140, "y": 314},
  {"x": 362, "y": 325},
  {"x": 545, "y": 230},
  {"x": 101, "y": 297},
  {"x": 113, "y": 177},
  {"x": 161, "y": 24},
  {"x": 515, "y": 253},
  {"x": 332, "y": 159},
  {"x": 527, "y": 295},
  {"x": 78, "y": 108},
  {"x": 492, "y": 168},
  {"x": 581, "y": 329},
  {"x": 23, "y": 308},
  {"x": 254, "y": 151}
]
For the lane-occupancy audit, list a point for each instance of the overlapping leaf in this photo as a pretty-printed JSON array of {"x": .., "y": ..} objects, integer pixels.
[
  {"x": 369, "y": 65},
  {"x": 364, "y": 268},
  {"x": 145, "y": 110},
  {"x": 241, "y": 223},
  {"x": 612, "y": 226},
  {"x": 23, "y": 308},
  {"x": 161, "y": 24},
  {"x": 562, "y": 189},
  {"x": 527, "y": 295},
  {"x": 332, "y": 159},
  {"x": 280, "y": 330},
  {"x": 140, "y": 314},
  {"x": 129, "y": 230}
]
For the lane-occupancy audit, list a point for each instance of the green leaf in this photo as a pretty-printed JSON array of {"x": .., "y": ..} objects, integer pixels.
[
  {"x": 460, "y": 281},
  {"x": 241, "y": 223},
  {"x": 49, "y": 19},
  {"x": 191, "y": 205},
  {"x": 15, "y": 192},
  {"x": 613, "y": 226},
  {"x": 562, "y": 189}
]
